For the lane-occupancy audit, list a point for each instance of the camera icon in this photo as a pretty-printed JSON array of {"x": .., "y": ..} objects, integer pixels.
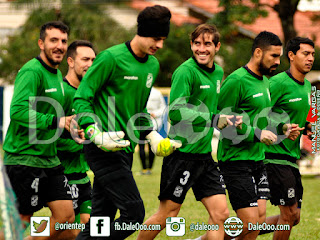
[{"x": 175, "y": 226}]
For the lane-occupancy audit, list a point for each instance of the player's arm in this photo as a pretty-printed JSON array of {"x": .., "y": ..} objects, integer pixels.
[
  {"x": 96, "y": 77},
  {"x": 183, "y": 107},
  {"x": 23, "y": 105},
  {"x": 229, "y": 99},
  {"x": 277, "y": 123}
]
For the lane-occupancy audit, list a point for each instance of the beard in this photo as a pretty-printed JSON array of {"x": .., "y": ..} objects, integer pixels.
[
  {"x": 50, "y": 60},
  {"x": 264, "y": 70}
]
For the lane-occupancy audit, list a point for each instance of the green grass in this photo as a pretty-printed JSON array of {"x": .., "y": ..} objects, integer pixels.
[{"x": 194, "y": 211}]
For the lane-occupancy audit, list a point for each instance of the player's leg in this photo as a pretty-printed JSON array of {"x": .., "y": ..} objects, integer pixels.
[
  {"x": 25, "y": 182},
  {"x": 210, "y": 189},
  {"x": 217, "y": 208},
  {"x": 101, "y": 206},
  {"x": 143, "y": 158},
  {"x": 286, "y": 192},
  {"x": 150, "y": 158},
  {"x": 288, "y": 216},
  {"x": 243, "y": 197},
  {"x": 166, "y": 209},
  {"x": 59, "y": 200},
  {"x": 177, "y": 176},
  {"x": 112, "y": 171}
]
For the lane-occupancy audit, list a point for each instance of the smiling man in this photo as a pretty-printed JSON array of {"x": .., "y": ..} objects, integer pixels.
[
  {"x": 290, "y": 93},
  {"x": 33, "y": 167},
  {"x": 246, "y": 92},
  {"x": 193, "y": 109}
]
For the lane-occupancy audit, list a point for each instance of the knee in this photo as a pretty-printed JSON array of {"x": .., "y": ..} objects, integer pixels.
[
  {"x": 297, "y": 219},
  {"x": 221, "y": 215},
  {"x": 66, "y": 216},
  {"x": 291, "y": 216}
]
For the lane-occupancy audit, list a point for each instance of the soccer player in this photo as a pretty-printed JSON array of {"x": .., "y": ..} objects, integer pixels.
[
  {"x": 193, "y": 109},
  {"x": 80, "y": 56},
  {"x": 30, "y": 149},
  {"x": 116, "y": 89},
  {"x": 241, "y": 155},
  {"x": 290, "y": 94}
]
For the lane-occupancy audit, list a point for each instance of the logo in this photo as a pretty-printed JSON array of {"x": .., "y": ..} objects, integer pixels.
[
  {"x": 233, "y": 226},
  {"x": 178, "y": 191},
  {"x": 50, "y": 90},
  {"x": 204, "y": 86},
  {"x": 35, "y": 223},
  {"x": 99, "y": 226},
  {"x": 149, "y": 80},
  {"x": 257, "y": 95},
  {"x": 175, "y": 226},
  {"x": 291, "y": 193},
  {"x": 130, "y": 77},
  {"x": 218, "y": 86}
]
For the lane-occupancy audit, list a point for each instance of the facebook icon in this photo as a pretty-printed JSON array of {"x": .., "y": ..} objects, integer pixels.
[{"x": 99, "y": 226}]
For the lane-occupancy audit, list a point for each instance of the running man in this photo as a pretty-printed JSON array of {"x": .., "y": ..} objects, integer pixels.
[
  {"x": 80, "y": 56},
  {"x": 193, "y": 108},
  {"x": 33, "y": 167},
  {"x": 114, "y": 94},
  {"x": 290, "y": 94},
  {"x": 241, "y": 155}
]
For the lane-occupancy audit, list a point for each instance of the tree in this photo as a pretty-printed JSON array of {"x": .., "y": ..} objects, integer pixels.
[{"x": 88, "y": 22}]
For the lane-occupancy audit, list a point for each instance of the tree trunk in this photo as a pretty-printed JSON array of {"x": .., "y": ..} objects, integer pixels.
[{"x": 286, "y": 10}]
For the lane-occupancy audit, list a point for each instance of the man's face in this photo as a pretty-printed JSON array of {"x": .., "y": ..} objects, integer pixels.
[
  {"x": 204, "y": 49},
  {"x": 270, "y": 60},
  {"x": 83, "y": 60},
  {"x": 303, "y": 59},
  {"x": 54, "y": 46},
  {"x": 150, "y": 45}
]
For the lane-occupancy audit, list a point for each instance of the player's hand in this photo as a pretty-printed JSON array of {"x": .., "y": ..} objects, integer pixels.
[
  {"x": 267, "y": 137},
  {"x": 224, "y": 121},
  {"x": 77, "y": 133},
  {"x": 160, "y": 146},
  {"x": 107, "y": 141},
  {"x": 292, "y": 131},
  {"x": 309, "y": 132},
  {"x": 64, "y": 122}
]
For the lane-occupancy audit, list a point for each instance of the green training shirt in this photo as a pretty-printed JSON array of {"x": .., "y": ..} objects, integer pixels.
[
  {"x": 291, "y": 100},
  {"x": 247, "y": 94},
  {"x": 69, "y": 152},
  {"x": 193, "y": 101},
  {"x": 34, "y": 119},
  {"x": 116, "y": 89}
]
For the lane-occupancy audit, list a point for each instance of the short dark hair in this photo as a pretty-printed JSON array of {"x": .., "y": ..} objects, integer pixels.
[
  {"x": 206, "y": 28},
  {"x": 293, "y": 45},
  {"x": 72, "y": 49},
  {"x": 264, "y": 40},
  {"x": 154, "y": 21},
  {"x": 54, "y": 24}
]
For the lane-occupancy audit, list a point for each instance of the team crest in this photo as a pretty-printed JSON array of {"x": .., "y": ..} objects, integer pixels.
[
  {"x": 149, "y": 80},
  {"x": 178, "y": 191}
]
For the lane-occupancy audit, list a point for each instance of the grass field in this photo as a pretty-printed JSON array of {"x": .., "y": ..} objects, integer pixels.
[{"x": 193, "y": 211}]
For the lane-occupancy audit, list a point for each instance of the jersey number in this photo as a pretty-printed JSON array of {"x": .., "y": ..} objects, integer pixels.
[
  {"x": 183, "y": 181},
  {"x": 35, "y": 185}
]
